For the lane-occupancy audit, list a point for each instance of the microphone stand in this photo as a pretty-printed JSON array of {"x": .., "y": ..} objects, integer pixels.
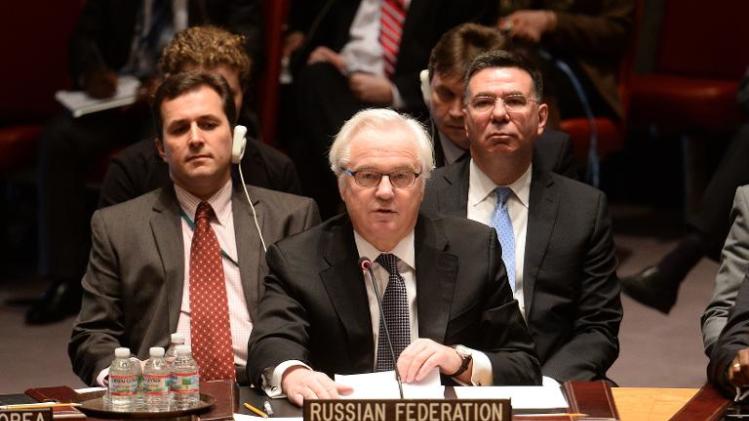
[{"x": 366, "y": 265}]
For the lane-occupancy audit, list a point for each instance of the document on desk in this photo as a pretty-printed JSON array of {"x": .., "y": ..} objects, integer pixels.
[
  {"x": 79, "y": 103},
  {"x": 383, "y": 385},
  {"x": 243, "y": 417},
  {"x": 522, "y": 397}
]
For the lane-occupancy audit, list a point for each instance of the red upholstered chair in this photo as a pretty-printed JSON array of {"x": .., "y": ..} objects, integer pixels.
[
  {"x": 701, "y": 56},
  {"x": 611, "y": 133},
  {"x": 34, "y": 50}
]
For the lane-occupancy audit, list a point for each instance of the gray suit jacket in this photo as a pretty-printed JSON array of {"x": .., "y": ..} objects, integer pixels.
[
  {"x": 132, "y": 289},
  {"x": 570, "y": 287},
  {"x": 734, "y": 263}
]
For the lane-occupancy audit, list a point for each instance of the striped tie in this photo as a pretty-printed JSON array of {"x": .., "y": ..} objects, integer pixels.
[{"x": 392, "y": 15}]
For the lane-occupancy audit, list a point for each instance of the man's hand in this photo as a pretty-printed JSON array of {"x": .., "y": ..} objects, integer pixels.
[
  {"x": 292, "y": 42},
  {"x": 300, "y": 383},
  {"x": 326, "y": 55},
  {"x": 100, "y": 83},
  {"x": 423, "y": 355},
  {"x": 738, "y": 372},
  {"x": 529, "y": 25},
  {"x": 370, "y": 88}
]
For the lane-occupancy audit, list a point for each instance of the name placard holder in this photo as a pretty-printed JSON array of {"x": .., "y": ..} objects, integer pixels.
[
  {"x": 43, "y": 414},
  {"x": 407, "y": 410}
]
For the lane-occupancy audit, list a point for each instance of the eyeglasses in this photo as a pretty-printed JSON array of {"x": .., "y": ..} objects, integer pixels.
[
  {"x": 369, "y": 178},
  {"x": 512, "y": 103}
]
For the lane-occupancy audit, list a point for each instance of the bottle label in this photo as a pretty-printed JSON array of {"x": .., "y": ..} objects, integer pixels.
[
  {"x": 123, "y": 384},
  {"x": 156, "y": 384},
  {"x": 186, "y": 382}
]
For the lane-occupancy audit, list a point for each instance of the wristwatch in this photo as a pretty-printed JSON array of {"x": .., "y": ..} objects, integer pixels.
[{"x": 466, "y": 359}]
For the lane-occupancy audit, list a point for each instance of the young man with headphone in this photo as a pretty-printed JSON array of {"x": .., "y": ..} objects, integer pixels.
[{"x": 188, "y": 257}]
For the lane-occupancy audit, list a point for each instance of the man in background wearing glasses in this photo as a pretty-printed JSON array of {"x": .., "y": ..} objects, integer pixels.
[
  {"x": 555, "y": 232},
  {"x": 446, "y": 301}
]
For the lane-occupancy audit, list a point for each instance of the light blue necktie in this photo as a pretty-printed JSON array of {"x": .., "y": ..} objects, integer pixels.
[{"x": 503, "y": 225}]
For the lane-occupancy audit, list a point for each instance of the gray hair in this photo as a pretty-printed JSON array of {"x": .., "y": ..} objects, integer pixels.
[{"x": 380, "y": 118}]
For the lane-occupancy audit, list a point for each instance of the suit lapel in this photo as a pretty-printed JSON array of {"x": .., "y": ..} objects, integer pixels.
[
  {"x": 542, "y": 215},
  {"x": 250, "y": 251},
  {"x": 436, "y": 272},
  {"x": 453, "y": 197},
  {"x": 167, "y": 231},
  {"x": 344, "y": 282}
]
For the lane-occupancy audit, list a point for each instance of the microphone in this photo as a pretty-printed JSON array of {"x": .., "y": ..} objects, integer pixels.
[{"x": 366, "y": 267}]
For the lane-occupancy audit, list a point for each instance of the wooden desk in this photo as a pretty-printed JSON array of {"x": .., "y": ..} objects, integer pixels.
[{"x": 650, "y": 404}]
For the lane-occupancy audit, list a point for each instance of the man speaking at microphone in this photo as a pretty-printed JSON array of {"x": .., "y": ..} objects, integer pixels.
[{"x": 446, "y": 301}]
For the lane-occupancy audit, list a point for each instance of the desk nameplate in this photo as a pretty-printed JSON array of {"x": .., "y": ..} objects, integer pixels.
[
  {"x": 407, "y": 410},
  {"x": 44, "y": 414}
]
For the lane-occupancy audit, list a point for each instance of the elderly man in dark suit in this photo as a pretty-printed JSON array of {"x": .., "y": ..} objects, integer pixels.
[
  {"x": 446, "y": 300},
  {"x": 555, "y": 232},
  {"x": 187, "y": 257}
]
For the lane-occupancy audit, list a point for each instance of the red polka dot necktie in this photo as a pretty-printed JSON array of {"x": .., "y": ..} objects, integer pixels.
[
  {"x": 210, "y": 331},
  {"x": 392, "y": 15}
]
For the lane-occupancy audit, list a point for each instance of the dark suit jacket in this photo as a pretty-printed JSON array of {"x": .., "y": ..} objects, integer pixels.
[
  {"x": 103, "y": 35},
  {"x": 570, "y": 287},
  {"x": 553, "y": 152},
  {"x": 138, "y": 169},
  {"x": 425, "y": 22},
  {"x": 735, "y": 337},
  {"x": 315, "y": 308},
  {"x": 132, "y": 289}
]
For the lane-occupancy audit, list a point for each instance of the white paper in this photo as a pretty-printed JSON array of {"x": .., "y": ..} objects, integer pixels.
[
  {"x": 243, "y": 417},
  {"x": 79, "y": 103},
  {"x": 382, "y": 385},
  {"x": 522, "y": 397}
]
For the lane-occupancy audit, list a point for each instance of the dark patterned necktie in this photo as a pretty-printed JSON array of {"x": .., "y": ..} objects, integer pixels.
[
  {"x": 210, "y": 331},
  {"x": 394, "y": 313}
]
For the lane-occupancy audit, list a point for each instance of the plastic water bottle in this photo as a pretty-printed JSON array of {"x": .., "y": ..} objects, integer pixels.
[
  {"x": 123, "y": 381},
  {"x": 186, "y": 380},
  {"x": 156, "y": 381},
  {"x": 171, "y": 353}
]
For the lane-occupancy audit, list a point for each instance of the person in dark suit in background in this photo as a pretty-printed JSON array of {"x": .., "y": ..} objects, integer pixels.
[
  {"x": 138, "y": 169},
  {"x": 149, "y": 276},
  {"x": 447, "y": 303},
  {"x": 351, "y": 55},
  {"x": 111, "y": 38},
  {"x": 442, "y": 87},
  {"x": 555, "y": 232}
]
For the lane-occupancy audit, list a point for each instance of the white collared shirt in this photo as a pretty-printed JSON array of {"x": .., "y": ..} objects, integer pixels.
[
  {"x": 480, "y": 207},
  {"x": 223, "y": 226},
  {"x": 405, "y": 253},
  {"x": 363, "y": 52}
]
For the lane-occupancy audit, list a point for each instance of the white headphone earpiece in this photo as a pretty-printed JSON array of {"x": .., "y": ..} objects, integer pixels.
[
  {"x": 238, "y": 144},
  {"x": 426, "y": 87}
]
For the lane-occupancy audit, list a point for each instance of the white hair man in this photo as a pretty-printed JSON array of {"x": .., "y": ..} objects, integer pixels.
[{"x": 447, "y": 302}]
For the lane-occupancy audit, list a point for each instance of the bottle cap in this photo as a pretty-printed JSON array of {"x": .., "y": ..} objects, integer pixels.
[
  {"x": 122, "y": 352},
  {"x": 177, "y": 338},
  {"x": 182, "y": 350},
  {"x": 156, "y": 351}
]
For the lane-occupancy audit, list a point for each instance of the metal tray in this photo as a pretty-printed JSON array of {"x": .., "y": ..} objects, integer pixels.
[{"x": 97, "y": 408}]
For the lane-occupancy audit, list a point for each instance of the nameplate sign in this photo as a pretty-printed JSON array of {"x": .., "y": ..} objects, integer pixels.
[
  {"x": 408, "y": 410},
  {"x": 44, "y": 414}
]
